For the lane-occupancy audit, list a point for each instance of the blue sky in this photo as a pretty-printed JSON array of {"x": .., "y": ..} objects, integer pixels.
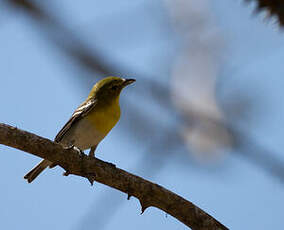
[{"x": 40, "y": 87}]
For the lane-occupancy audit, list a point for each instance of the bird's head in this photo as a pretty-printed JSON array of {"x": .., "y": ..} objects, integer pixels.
[{"x": 109, "y": 88}]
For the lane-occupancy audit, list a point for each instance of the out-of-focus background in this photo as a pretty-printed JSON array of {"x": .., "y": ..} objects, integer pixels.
[{"x": 204, "y": 119}]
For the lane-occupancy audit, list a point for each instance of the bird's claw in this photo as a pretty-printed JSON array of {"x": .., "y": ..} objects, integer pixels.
[
  {"x": 81, "y": 152},
  {"x": 69, "y": 147}
]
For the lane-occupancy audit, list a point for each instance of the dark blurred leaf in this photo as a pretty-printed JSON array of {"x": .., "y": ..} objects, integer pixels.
[{"x": 273, "y": 7}]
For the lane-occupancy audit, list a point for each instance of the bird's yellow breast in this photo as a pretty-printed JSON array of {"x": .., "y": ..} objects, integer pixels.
[{"x": 105, "y": 117}]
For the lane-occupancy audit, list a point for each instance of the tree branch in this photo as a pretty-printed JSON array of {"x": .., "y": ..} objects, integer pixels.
[{"x": 149, "y": 194}]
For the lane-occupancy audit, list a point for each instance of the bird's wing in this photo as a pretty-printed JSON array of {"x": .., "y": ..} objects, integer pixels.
[{"x": 80, "y": 112}]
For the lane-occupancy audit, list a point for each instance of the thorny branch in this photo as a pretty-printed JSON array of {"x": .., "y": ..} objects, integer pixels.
[
  {"x": 148, "y": 193},
  {"x": 91, "y": 60}
]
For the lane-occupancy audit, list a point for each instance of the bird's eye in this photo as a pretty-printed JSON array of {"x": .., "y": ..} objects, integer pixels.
[{"x": 115, "y": 87}]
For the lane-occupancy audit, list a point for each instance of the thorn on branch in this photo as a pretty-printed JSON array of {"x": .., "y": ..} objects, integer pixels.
[
  {"x": 129, "y": 193},
  {"x": 91, "y": 178},
  {"x": 66, "y": 173},
  {"x": 144, "y": 205},
  {"x": 148, "y": 193}
]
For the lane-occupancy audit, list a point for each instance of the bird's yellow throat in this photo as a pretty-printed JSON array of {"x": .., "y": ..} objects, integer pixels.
[{"x": 105, "y": 116}]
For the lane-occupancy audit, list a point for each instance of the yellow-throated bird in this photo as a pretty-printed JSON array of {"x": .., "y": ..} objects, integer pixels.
[{"x": 91, "y": 121}]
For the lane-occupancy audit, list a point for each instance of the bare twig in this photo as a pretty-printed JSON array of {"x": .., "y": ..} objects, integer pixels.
[{"x": 149, "y": 194}]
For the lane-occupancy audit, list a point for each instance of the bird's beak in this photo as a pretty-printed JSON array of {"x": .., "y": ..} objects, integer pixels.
[{"x": 128, "y": 82}]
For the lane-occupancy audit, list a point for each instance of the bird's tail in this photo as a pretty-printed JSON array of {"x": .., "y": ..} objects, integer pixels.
[{"x": 30, "y": 176}]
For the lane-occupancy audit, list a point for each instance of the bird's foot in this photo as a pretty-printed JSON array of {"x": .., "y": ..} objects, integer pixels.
[
  {"x": 92, "y": 151},
  {"x": 69, "y": 147},
  {"x": 80, "y": 151}
]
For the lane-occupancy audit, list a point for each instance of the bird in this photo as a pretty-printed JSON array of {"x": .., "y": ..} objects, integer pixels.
[{"x": 90, "y": 122}]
